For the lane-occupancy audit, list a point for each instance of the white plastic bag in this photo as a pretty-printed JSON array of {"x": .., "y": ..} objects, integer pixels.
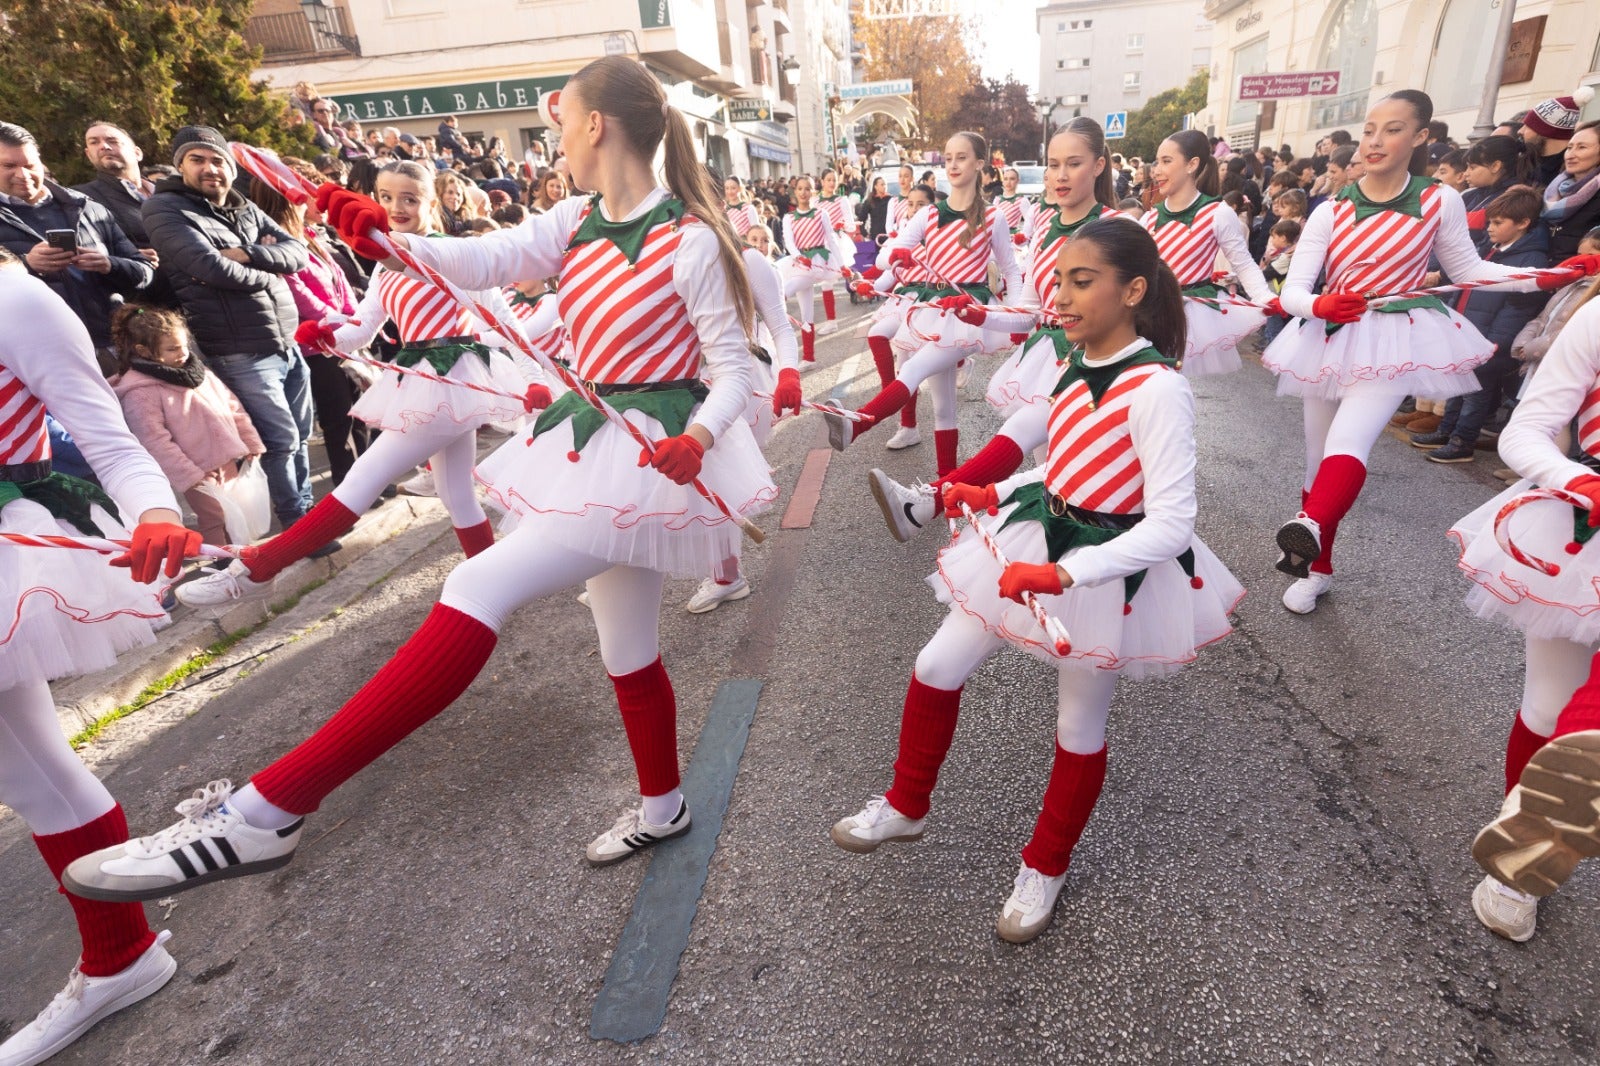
[{"x": 245, "y": 502}]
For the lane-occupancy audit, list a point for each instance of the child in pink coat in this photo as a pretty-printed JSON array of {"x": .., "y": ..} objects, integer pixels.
[{"x": 182, "y": 413}]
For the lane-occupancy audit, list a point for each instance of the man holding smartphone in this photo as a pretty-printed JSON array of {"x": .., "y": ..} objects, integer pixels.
[{"x": 69, "y": 241}]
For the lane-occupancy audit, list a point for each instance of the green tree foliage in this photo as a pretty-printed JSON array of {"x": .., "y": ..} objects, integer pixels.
[
  {"x": 1004, "y": 114},
  {"x": 1161, "y": 117},
  {"x": 150, "y": 66}
]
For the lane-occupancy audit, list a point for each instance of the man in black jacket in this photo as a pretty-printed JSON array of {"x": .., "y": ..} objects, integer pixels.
[
  {"x": 119, "y": 188},
  {"x": 226, "y": 261},
  {"x": 100, "y": 263}
]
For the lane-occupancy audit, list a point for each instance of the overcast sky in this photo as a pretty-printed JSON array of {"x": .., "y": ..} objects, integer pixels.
[{"x": 1010, "y": 40}]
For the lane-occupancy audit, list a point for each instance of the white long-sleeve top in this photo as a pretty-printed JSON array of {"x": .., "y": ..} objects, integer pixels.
[
  {"x": 49, "y": 352},
  {"x": 1565, "y": 385},
  {"x": 1161, "y": 433},
  {"x": 766, "y": 284},
  {"x": 911, "y": 236},
  {"x": 1234, "y": 243},
  {"x": 537, "y": 249},
  {"x": 1452, "y": 246}
]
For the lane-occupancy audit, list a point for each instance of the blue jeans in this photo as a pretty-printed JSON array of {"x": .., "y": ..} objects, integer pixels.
[
  {"x": 276, "y": 393},
  {"x": 1498, "y": 378}
]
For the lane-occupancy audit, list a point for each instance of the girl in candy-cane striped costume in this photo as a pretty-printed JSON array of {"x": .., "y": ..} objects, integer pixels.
[
  {"x": 1020, "y": 211},
  {"x": 890, "y": 317},
  {"x": 1102, "y": 533},
  {"x": 1351, "y": 363},
  {"x": 1190, "y": 227},
  {"x": 957, "y": 240},
  {"x": 67, "y": 613},
  {"x": 1558, "y": 613},
  {"x": 817, "y": 255},
  {"x": 653, "y": 292},
  {"x": 423, "y": 420},
  {"x": 744, "y": 214}
]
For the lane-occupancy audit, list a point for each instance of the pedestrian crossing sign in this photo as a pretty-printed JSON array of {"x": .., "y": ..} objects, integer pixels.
[{"x": 1116, "y": 125}]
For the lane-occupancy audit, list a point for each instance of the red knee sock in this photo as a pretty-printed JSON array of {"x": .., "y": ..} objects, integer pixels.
[
  {"x": 325, "y": 522},
  {"x": 882, "y": 359},
  {"x": 995, "y": 461},
  {"x": 1333, "y": 492},
  {"x": 114, "y": 934},
  {"x": 1583, "y": 710},
  {"x": 425, "y": 676},
  {"x": 475, "y": 539},
  {"x": 1075, "y": 782},
  {"x": 881, "y": 406},
  {"x": 650, "y": 718},
  {"x": 927, "y": 725},
  {"x": 945, "y": 445},
  {"x": 808, "y": 344},
  {"x": 908, "y": 413},
  {"x": 827, "y": 304},
  {"x": 1520, "y": 746}
]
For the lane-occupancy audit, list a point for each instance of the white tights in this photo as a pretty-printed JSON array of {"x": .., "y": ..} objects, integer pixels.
[
  {"x": 41, "y": 778},
  {"x": 935, "y": 364},
  {"x": 1083, "y": 697},
  {"x": 1348, "y": 426},
  {"x": 451, "y": 451},
  {"x": 801, "y": 285},
  {"x": 1555, "y": 668}
]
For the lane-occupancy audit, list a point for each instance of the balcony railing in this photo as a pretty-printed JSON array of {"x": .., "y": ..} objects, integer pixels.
[{"x": 290, "y": 38}]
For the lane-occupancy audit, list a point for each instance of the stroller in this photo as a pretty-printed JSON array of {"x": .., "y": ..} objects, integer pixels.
[{"x": 866, "y": 255}]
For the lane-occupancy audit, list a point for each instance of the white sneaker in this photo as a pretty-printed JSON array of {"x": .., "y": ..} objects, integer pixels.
[
  {"x": 1550, "y": 822},
  {"x": 633, "y": 834},
  {"x": 1031, "y": 906},
  {"x": 421, "y": 485},
  {"x": 907, "y": 511},
  {"x": 1301, "y": 596},
  {"x": 841, "y": 431},
  {"x": 710, "y": 595},
  {"x": 825, "y": 327},
  {"x": 877, "y": 823},
  {"x": 211, "y": 842},
  {"x": 222, "y": 586},
  {"x": 85, "y": 1001},
  {"x": 963, "y": 372},
  {"x": 1505, "y": 911},
  {"x": 583, "y": 597},
  {"x": 903, "y": 438},
  {"x": 1300, "y": 541}
]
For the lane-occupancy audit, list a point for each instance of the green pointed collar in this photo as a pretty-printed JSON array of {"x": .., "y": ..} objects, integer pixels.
[
  {"x": 804, "y": 214},
  {"x": 1100, "y": 378},
  {"x": 1409, "y": 202},
  {"x": 948, "y": 214},
  {"x": 1007, "y": 199},
  {"x": 1059, "y": 229},
  {"x": 1186, "y": 216},
  {"x": 519, "y": 299},
  {"x": 627, "y": 236},
  {"x": 835, "y": 196}
]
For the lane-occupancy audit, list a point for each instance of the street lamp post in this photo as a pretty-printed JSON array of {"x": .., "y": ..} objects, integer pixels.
[{"x": 1046, "y": 108}]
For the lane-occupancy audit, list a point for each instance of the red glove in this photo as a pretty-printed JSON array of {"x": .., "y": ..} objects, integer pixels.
[
  {"x": 845, "y": 273},
  {"x": 872, "y": 273},
  {"x": 154, "y": 542},
  {"x": 1588, "y": 486},
  {"x": 1018, "y": 338},
  {"x": 977, "y": 497},
  {"x": 972, "y": 314},
  {"x": 901, "y": 257},
  {"x": 863, "y": 288},
  {"x": 314, "y": 335},
  {"x": 787, "y": 396},
  {"x": 956, "y": 302},
  {"x": 803, "y": 262},
  {"x": 838, "y": 227},
  {"x": 1019, "y": 239},
  {"x": 1220, "y": 276},
  {"x": 1019, "y": 578},
  {"x": 1477, "y": 219},
  {"x": 679, "y": 458},
  {"x": 352, "y": 215},
  {"x": 1570, "y": 270},
  {"x": 1341, "y": 308},
  {"x": 1275, "y": 307},
  {"x": 537, "y": 398}
]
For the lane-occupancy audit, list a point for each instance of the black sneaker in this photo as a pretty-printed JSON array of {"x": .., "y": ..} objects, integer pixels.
[
  {"x": 1438, "y": 438},
  {"x": 1455, "y": 450}
]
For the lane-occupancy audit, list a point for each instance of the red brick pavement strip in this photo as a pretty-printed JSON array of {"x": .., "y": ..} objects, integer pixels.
[{"x": 807, "y": 490}]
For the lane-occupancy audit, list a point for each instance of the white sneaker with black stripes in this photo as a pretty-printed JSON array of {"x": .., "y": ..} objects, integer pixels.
[
  {"x": 907, "y": 509},
  {"x": 632, "y": 834},
  {"x": 211, "y": 842}
]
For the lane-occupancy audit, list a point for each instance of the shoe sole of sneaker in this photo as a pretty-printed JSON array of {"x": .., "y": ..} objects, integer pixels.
[
  {"x": 886, "y": 506},
  {"x": 1461, "y": 459},
  {"x": 1488, "y": 922},
  {"x": 893, "y": 447},
  {"x": 614, "y": 859},
  {"x": 1300, "y": 550},
  {"x": 142, "y": 991},
  {"x": 144, "y": 895},
  {"x": 1015, "y": 933},
  {"x": 1427, "y": 443},
  {"x": 1536, "y": 848},
  {"x": 867, "y": 847},
  {"x": 719, "y": 601},
  {"x": 839, "y": 435}
]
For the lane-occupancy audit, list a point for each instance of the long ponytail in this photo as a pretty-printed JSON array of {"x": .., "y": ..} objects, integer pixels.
[
  {"x": 975, "y": 211},
  {"x": 1192, "y": 144},
  {"x": 1131, "y": 252},
  {"x": 633, "y": 101}
]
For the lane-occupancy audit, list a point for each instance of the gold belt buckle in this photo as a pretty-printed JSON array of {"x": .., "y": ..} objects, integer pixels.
[{"x": 1057, "y": 505}]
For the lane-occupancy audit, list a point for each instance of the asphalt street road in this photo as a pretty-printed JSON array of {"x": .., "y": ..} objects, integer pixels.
[{"x": 1278, "y": 870}]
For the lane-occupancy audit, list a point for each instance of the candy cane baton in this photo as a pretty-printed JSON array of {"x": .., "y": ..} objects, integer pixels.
[
  {"x": 99, "y": 544},
  {"x": 1053, "y": 628},
  {"x": 272, "y": 170},
  {"x": 409, "y": 371},
  {"x": 1468, "y": 286},
  {"x": 1502, "y": 525},
  {"x": 854, "y": 416}
]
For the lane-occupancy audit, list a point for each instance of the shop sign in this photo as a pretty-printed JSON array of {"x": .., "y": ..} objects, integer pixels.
[{"x": 469, "y": 98}]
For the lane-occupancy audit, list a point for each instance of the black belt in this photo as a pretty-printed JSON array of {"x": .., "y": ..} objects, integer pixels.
[
  {"x": 438, "y": 342},
  {"x": 1590, "y": 461},
  {"x": 629, "y": 388},
  {"x": 22, "y": 473},
  {"x": 1100, "y": 519}
]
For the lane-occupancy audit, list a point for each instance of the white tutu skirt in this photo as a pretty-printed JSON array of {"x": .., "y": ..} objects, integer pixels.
[
  {"x": 603, "y": 503},
  {"x": 1422, "y": 352},
  {"x": 921, "y": 326},
  {"x": 399, "y": 401},
  {"x": 67, "y": 612},
  {"x": 1565, "y": 605},
  {"x": 1169, "y": 622},
  {"x": 1028, "y": 376},
  {"x": 1214, "y": 335}
]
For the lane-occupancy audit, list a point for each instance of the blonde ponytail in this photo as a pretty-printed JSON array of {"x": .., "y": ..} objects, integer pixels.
[{"x": 689, "y": 182}]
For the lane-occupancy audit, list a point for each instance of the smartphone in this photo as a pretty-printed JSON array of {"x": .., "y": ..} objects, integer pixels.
[{"x": 65, "y": 240}]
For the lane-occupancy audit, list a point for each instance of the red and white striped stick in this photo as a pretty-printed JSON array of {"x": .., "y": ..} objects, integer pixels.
[
  {"x": 99, "y": 544},
  {"x": 270, "y": 169},
  {"x": 1502, "y": 525},
  {"x": 1381, "y": 298},
  {"x": 1051, "y": 626},
  {"x": 854, "y": 416}
]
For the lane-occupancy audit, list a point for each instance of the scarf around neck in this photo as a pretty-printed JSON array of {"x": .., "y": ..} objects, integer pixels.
[{"x": 189, "y": 375}]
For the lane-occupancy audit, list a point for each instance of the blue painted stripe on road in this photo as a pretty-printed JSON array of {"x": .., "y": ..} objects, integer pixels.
[{"x": 632, "y": 1004}]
